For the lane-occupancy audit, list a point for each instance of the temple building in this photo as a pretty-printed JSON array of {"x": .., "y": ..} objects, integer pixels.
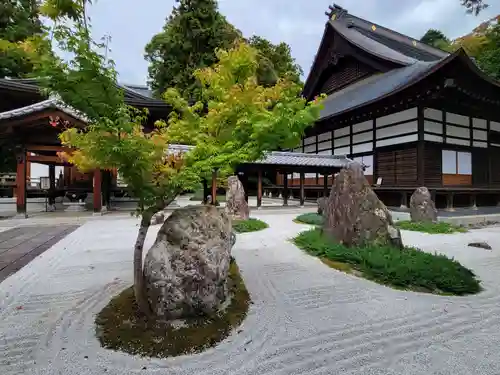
[
  {"x": 413, "y": 114},
  {"x": 31, "y": 123}
]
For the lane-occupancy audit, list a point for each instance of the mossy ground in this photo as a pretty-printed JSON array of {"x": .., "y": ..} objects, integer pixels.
[
  {"x": 249, "y": 225},
  {"x": 121, "y": 326},
  {"x": 409, "y": 269},
  {"x": 310, "y": 218},
  {"x": 440, "y": 227}
]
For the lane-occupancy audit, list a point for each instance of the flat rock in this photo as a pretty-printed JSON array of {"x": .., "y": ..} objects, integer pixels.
[{"x": 481, "y": 245}]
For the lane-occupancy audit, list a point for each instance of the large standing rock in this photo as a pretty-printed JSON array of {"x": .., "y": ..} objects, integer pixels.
[
  {"x": 186, "y": 269},
  {"x": 322, "y": 204},
  {"x": 354, "y": 215},
  {"x": 422, "y": 208},
  {"x": 236, "y": 205}
]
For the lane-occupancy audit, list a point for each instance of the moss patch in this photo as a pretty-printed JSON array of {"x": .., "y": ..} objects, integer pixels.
[
  {"x": 440, "y": 227},
  {"x": 121, "y": 326},
  {"x": 409, "y": 269},
  {"x": 250, "y": 225},
  {"x": 310, "y": 218}
]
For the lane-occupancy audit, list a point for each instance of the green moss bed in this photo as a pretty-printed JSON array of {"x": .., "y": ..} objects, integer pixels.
[
  {"x": 249, "y": 225},
  {"x": 310, "y": 218},
  {"x": 408, "y": 269},
  {"x": 120, "y": 325},
  {"x": 440, "y": 227}
]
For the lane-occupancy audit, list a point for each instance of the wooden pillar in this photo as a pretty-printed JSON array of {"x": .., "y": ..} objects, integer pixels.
[
  {"x": 302, "y": 193},
  {"x": 473, "y": 203},
  {"x": 404, "y": 199},
  {"x": 325, "y": 185},
  {"x": 52, "y": 179},
  {"x": 449, "y": 202},
  {"x": 285, "y": 189},
  {"x": 421, "y": 147},
  {"x": 97, "y": 191},
  {"x": 259, "y": 189},
  {"x": 214, "y": 187},
  {"x": 21, "y": 184}
]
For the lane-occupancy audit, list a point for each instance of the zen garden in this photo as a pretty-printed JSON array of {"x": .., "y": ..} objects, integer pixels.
[{"x": 239, "y": 217}]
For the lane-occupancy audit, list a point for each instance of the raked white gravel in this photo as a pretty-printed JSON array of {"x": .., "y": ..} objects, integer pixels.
[{"x": 306, "y": 318}]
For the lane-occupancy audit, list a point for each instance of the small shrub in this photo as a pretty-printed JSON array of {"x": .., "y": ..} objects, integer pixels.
[
  {"x": 409, "y": 268},
  {"x": 250, "y": 225},
  {"x": 440, "y": 227},
  {"x": 310, "y": 218}
]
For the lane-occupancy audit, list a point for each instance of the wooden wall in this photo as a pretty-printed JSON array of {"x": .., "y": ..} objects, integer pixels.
[{"x": 397, "y": 166}]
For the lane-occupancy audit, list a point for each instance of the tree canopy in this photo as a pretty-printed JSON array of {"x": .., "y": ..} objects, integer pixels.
[
  {"x": 474, "y": 6},
  {"x": 188, "y": 41},
  {"x": 488, "y": 57},
  {"x": 19, "y": 22},
  {"x": 193, "y": 31}
]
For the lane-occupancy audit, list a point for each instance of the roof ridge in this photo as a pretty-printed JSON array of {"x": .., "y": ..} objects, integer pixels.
[{"x": 340, "y": 14}]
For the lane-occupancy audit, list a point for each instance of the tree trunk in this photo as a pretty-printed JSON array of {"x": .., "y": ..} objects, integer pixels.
[{"x": 139, "y": 286}]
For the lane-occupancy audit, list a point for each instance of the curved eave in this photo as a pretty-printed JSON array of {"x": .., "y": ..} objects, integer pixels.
[
  {"x": 460, "y": 54},
  {"x": 370, "y": 46}
]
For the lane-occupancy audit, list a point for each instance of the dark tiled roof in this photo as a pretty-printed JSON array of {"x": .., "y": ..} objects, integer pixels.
[
  {"x": 287, "y": 158},
  {"x": 302, "y": 159},
  {"x": 366, "y": 32},
  {"x": 371, "y": 46},
  {"x": 134, "y": 95},
  {"x": 52, "y": 103},
  {"x": 373, "y": 88}
]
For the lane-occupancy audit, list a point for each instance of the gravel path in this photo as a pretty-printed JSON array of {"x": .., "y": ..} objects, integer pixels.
[{"x": 306, "y": 318}]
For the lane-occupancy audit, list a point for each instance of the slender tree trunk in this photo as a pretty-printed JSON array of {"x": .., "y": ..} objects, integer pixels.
[{"x": 139, "y": 285}]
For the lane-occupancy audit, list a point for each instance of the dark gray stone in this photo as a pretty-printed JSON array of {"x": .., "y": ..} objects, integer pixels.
[
  {"x": 236, "y": 204},
  {"x": 481, "y": 245},
  {"x": 187, "y": 267},
  {"x": 422, "y": 208},
  {"x": 322, "y": 204},
  {"x": 354, "y": 215}
]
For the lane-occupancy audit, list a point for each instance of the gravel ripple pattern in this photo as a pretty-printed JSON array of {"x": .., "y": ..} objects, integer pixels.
[{"x": 305, "y": 318}]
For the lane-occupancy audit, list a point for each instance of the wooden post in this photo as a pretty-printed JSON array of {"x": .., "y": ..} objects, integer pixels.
[
  {"x": 449, "y": 202},
  {"x": 325, "y": 185},
  {"x": 302, "y": 194},
  {"x": 21, "y": 184},
  {"x": 52, "y": 178},
  {"x": 259, "y": 189},
  {"x": 214, "y": 187},
  {"x": 97, "y": 191},
  {"x": 285, "y": 189},
  {"x": 404, "y": 199}
]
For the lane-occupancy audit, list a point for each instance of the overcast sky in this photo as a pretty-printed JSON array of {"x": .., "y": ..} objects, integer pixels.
[{"x": 300, "y": 23}]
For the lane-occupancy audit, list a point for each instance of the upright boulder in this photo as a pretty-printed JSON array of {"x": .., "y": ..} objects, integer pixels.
[
  {"x": 354, "y": 215},
  {"x": 321, "y": 205},
  {"x": 422, "y": 208},
  {"x": 236, "y": 205},
  {"x": 186, "y": 269}
]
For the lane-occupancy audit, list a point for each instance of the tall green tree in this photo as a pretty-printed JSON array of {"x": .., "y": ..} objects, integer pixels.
[
  {"x": 433, "y": 36},
  {"x": 488, "y": 58},
  {"x": 275, "y": 61},
  {"x": 19, "y": 22},
  {"x": 192, "y": 33},
  {"x": 241, "y": 121},
  {"x": 474, "y": 6}
]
